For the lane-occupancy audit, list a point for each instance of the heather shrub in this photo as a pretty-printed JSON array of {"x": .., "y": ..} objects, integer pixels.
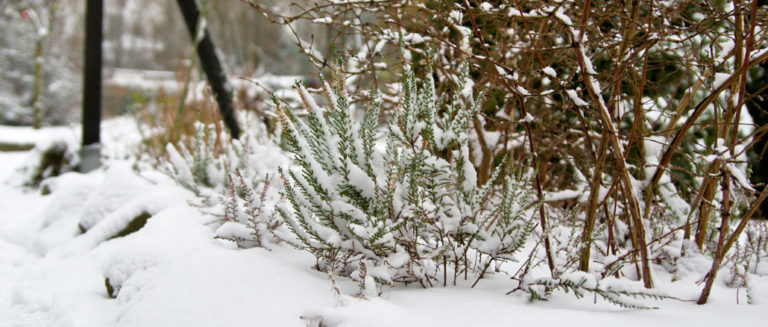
[
  {"x": 232, "y": 179},
  {"x": 399, "y": 205}
]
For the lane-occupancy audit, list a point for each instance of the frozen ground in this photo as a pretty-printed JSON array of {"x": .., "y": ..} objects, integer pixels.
[{"x": 173, "y": 272}]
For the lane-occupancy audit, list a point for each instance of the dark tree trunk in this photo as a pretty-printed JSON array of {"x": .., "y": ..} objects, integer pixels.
[
  {"x": 758, "y": 109},
  {"x": 92, "y": 86},
  {"x": 211, "y": 65}
]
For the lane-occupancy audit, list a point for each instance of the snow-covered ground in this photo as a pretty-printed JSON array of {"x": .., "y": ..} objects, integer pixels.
[{"x": 173, "y": 272}]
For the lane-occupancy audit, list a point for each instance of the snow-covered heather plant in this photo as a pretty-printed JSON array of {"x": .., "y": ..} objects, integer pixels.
[
  {"x": 249, "y": 218},
  {"x": 578, "y": 282},
  {"x": 412, "y": 213},
  {"x": 213, "y": 157},
  {"x": 739, "y": 270},
  {"x": 232, "y": 177},
  {"x": 201, "y": 167},
  {"x": 745, "y": 259}
]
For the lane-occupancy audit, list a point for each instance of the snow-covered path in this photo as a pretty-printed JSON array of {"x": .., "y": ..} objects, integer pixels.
[
  {"x": 18, "y": 210},
  {"x": 174, "y": 273},
  {"x": 34, "y": 290}
]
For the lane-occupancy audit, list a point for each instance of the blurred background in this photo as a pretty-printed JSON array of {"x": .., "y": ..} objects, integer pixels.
[{"x": 147, "y": 52}]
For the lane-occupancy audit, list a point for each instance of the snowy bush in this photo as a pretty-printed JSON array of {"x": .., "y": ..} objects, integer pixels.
[
  {"x": 412, "y": 213},
  {"x": 646, "y": 137},
  {"x": 202, "y": 166},
  {"x": 212, "y": 158},
  {"x": 230, "y": 172},
  {"x": 51, "y": 156},
  {"x": 249, "y": 220}
]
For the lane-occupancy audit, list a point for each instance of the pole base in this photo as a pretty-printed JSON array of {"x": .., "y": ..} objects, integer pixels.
[{"x": 90, "y": 157}]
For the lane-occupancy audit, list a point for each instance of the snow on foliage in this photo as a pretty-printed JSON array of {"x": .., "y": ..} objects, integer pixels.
[
  {"x": 233, "y": 177},
  {"x": 575, "y": 98},
  {"x": 409, "y": 214}
]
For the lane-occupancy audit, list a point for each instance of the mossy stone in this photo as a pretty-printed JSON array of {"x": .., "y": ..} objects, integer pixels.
[
  {"x": 45, "y": 190},
  {"x": 136, "y": 223},
  {"x": 52, "y": 161},
  {"x": 111, "y": 290}
]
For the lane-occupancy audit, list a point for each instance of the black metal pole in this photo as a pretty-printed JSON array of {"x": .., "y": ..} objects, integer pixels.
[
  {"x": 90, "y": 152},
  {"x": 211, "y": 65}
]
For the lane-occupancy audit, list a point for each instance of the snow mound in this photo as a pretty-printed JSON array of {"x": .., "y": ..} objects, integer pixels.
[{"x": 119, "y": 186}]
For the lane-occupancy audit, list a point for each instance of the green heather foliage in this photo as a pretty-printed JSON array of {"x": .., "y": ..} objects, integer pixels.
[
  {"x": 232, "y": 178},
  {"x": 407, "y": 212},
  {"x": 579, "y": 283},
  {"x": 202, "y": 167}
]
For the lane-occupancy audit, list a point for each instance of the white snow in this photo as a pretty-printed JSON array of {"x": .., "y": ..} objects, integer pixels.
[
  {"x": 26, "y": 135},
  {"x": 560, "y": 14},
  {"x": 119, "y": 186},
  {"x": 550, "y": 72},
  {"x": 588, "y": 67},
  {"x": 739, "y": 176},
  {"x": 180, "y": 168},
  {"x": 575, "y": 98},
  {"x": 720, "y": 78},
  {"x": 360, "y": 180},
  {"x": 522, "y": 91},
  {"x": 414, "y": 38},
  {"x": 528, "y": 118},
  {"x": 653, "y": 146},
  {"x": 323, "y": 20},
  {"x": 563, "y": 195},
  {"x": 726, "y": 47},
  {"x": 503, "y": 72},
  {"x": 757, "y": 53},
  {"x": 456, "y": 16},
  {"x": 516, "y": 12},
  {"x": 470, "y": 174}
]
